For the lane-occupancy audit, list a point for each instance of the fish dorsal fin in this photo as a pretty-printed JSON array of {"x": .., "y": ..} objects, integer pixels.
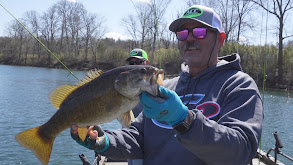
[
  {"x": 58, "y": 95},
  {"x": 126, "y": 119},
  {"x": 91, "y": 75}
]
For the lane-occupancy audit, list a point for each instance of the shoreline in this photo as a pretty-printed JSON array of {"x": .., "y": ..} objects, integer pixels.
[{"x": 108, "y": 66}]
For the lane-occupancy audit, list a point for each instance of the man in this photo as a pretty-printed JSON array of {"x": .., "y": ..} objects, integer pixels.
[
  {"x": 138, "y": 57},
  {"x": 213, "y": 113}
]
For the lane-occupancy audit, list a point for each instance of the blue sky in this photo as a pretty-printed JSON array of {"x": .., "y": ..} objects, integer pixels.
[{"x": 114, "y": 11}]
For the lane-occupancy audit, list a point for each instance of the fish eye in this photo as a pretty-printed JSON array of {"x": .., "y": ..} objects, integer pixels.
[{"x": 143, "y": 70}]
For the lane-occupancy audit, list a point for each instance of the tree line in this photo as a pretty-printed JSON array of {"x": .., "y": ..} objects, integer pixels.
[{"x": 76, "y": 37}]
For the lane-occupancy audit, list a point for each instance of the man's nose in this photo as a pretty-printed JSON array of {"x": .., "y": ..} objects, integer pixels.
[{"x": 190, "y": 37}]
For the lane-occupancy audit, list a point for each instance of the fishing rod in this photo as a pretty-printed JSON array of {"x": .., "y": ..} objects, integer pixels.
[
  {"x": 40, "y": 42},
  {"x": 278, "y": 146}
]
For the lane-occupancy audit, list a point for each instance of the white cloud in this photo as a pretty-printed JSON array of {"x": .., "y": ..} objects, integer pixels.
[
  {"x": 242, "y": 39},
  {"x": 143, "y": 1},
  {"x": 117, "y": 36},
  {"x": 71, "y": 1}
]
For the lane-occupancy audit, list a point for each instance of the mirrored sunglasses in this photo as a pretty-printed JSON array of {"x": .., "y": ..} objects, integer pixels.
[{"x": 198, "y": 33}]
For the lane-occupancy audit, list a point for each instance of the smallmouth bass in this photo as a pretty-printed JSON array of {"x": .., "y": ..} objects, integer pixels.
[{"x": 98, "y": 98}]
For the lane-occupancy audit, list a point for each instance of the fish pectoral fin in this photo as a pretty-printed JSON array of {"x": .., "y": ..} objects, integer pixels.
[
  {"x": 82, "y": 132},
  {"x": 58, "y": 95},
  {"x": 126, "y": 119},
  {"x": 132, "y": 118}
]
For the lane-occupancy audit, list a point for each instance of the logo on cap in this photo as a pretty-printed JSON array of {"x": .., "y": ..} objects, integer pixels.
[
  {"x": 135, "y": 53},
  {"x": 193, "y": 12}
]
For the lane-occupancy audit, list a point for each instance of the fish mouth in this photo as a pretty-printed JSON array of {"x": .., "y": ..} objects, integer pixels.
[
  {"x": 155, "y": 81},
  {"x": 158, "y": 76}
]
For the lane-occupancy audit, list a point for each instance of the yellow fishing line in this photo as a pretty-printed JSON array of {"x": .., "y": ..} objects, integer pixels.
[{"x": 40, "y": 42}]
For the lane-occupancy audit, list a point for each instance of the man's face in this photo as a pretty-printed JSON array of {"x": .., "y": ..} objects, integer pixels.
[
  {"x": 196, "y": 52},
  {"x": 136, "y": 61}
]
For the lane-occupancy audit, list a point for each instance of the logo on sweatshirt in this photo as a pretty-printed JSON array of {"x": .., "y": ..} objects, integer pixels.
[{"x": 209, "y": 109}]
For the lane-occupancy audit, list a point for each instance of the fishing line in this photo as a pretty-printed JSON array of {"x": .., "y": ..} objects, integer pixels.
[
  {"x": 40, "y": 42},
  {"x": 265, "y": 57},
  {"x": 264, "y": 74}
]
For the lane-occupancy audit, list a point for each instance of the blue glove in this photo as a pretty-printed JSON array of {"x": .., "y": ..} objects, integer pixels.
[{"x": 170, "y": 110}]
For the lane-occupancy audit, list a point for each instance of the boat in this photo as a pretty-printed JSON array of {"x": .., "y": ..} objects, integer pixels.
[{"x": 261, "y": 158}]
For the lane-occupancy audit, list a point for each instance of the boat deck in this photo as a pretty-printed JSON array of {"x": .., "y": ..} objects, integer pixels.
[{"x": 261, "y": 160}]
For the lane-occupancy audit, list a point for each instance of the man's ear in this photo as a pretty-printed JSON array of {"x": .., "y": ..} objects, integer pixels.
[
  {"x": 221, "y": 39},
  {"x": 147, "y": 62}
]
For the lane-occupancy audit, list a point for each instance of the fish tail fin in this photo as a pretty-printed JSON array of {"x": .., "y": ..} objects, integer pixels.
[{"x": 33, "y": 140}]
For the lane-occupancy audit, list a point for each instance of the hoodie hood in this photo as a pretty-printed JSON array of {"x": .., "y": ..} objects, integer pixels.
[{"x": 226, "y": 62}]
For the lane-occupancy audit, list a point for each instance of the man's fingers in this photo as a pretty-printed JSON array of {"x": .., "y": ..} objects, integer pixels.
[
  {"x": 74, "y": 128},
  {"x": 93, "y": 134},
  {"x": 73, "y": 133}
]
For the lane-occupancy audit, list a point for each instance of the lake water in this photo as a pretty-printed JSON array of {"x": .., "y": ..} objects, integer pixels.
[{"x": 24, "y": 104}]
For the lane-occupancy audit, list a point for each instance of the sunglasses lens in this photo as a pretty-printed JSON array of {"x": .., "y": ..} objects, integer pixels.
[
  {"x": 199, "y": 32},
  {"x": 135, "y": 62},
  {"x": 182, "y": 35}
]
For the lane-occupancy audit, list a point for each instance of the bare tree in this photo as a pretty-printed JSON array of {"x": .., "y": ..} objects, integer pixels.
[
  {"x": 33, "y": 21},
  {"x": 5, "y": 46},
  {"x": 19, "y": 35},
  {"x": 93, "y": 31},
  {"x": 243, "y": 8},
  {"x": 75, "y": 24},
  {"x": 63, "y": 9},
  {"x": 278, "y": 8},
  {"x": 96, "y": 36},
  {"x": 165, "y": 36},
  {"x": 158, "y": 8},
  {"x": 138, "y": 24},
  {"x": 131, "y": 26},
  {"x": 229, "y": 16},
  {"x": 50, "y": 29},
  {"x": 195, "y": 2}
]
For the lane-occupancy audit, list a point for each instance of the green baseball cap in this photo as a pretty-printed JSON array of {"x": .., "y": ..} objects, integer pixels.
[
  {"x": 138, "y": 53},
  {"x": 198, "y": 13}
]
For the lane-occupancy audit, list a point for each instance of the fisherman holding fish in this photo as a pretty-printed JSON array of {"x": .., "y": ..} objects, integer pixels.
[{"x": 212, "y": 113}]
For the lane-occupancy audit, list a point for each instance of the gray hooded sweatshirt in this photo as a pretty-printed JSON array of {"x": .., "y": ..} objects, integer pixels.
[{"x": 228, "y": 116}]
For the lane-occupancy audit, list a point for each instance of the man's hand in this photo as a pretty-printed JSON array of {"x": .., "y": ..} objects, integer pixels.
[
  {"x": 170, "y": 110},
  {"x": 96, "y": 139}
]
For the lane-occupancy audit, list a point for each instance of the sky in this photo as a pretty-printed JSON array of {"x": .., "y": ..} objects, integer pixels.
[{"x": 114, "y": 11}]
